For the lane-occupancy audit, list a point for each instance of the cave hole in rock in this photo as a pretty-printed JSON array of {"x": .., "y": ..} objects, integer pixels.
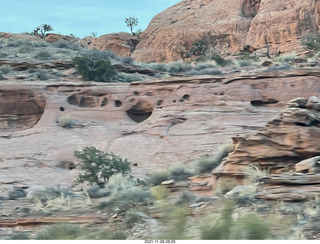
[
  {"x": 20, "y": 109},
  {"x": 104, "y": 102},
  {"x": 140, "y": 111},
  {"x": 62, "y": 109},
  {"x": 261, "y": 103},
  {"x": 159, "y": 103},
  {"x": 85, "y": 100},
  {"x": 117, "y": 103},
  {"x": 186, "y": 97},
  {"x": 136, "y": 93}
]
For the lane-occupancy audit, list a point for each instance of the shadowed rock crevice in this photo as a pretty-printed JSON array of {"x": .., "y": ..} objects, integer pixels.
[
  {"x": 87, "y": 99},
  {"x": 20, "y": 109},
  {"x": 140, "y": 111},
  {"x": 250, "y": 8},
  {"x": 261, "y": 103}
]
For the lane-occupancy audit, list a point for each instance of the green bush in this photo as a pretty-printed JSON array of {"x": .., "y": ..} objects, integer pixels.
[
  {"x": 224, "y": 227},
  {"x": 94, "y": 67},
  {"x": 99, "y": 166},
  {"x": 219, "y": 60},
  {"x": 311, "y": 41}
]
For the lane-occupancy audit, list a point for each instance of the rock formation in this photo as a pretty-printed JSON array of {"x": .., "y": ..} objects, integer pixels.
[
  {"x": 228, "y": 26},
  {"x": 153, "y": 124},
  {"x": 121, "y": 43},
  {"x": 287, "y": 148}
]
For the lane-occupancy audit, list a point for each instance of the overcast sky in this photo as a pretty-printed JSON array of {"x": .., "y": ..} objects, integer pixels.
[{"x": 78, "y": 17}]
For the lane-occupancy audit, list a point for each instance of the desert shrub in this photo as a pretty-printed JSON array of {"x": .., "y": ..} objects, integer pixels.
[
  {"x": 127, "y": 60},
  {"x": 25, "y": 49},
  {"x": 66, "y": 121},
  {"x": 179, "y": 172},
  {"x": 43, "y": 55},
  {"x": 5, "y": 69},
  {"x": 225, "y": 227},
  {"x": 159, "y": 192},
  {"x": 95, "y": 67},
  {"x": 2, "y": 77},
  {"x": 20, "y": 236},
  {"x": 173, "y": 67},
  {"x": 244, "y": 63},
  {"x": 287, "y": 58},
  {"x": 205, "y": 65},
  {"x": 99, "y": 166},
  {"x": 41, "y": 74},
  {"x": 279, "y": 67},
  {"x": 254, "y": 173},
  {"x": 41, "y": 43},
  {"x": 66, "y": 44},
  {"x": 60, "y": 232},
  {"x": 219, "y": 60},
  {"x": 249, "y": 227},
  {"x": 49, "y": 193},
  {"x": 248, "y": 56},
  {"x": 208, "y": 71},
  {"x": 124, "y": 195},
  {"x": 132, "y": 217},
  {"x": 174, "y": 219},
  {"x": 311, "y": 41},
  {"x": 186, "y": 197},
  {"x": 19, "y": 43},
  {"x": 207, "y": 164},
  {"x": 225, "y": 185},
  {"x": 124, "y": 77},
  {"x": 107, "y": 234},
  {"x": 3, "y": 55},
  {"x": 158, "y": 176}
]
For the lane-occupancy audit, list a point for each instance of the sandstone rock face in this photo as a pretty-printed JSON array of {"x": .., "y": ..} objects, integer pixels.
[
  {"x": 56, "y": 38},
  {"x": 292, "y": 136},
  {"x": 121, "y": 43},
  {"x": 154, "y": 124},
  {"x": 20, "y": 108},
  {"x": 282, "y": 23},
  {"x": 229, "y": 26}
]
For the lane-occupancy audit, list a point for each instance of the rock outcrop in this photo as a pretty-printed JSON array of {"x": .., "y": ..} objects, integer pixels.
[
  {"x": 228, "y": 26},
  {"x": 154, "y": 124},
  {"x": 292, "y": 136},
  {"x": 121, "y": 43}
]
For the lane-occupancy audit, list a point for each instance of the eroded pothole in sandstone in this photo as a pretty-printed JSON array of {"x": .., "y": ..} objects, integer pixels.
[{"x": 20, "y": 109}]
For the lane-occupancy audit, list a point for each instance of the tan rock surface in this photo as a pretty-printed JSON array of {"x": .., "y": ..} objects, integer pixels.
[
  {"x": 229, "y": 26},
  {"x": 185, "y": 118},
  {"x": 287, "y": 139},
  {"x": 121, "y": 43}
]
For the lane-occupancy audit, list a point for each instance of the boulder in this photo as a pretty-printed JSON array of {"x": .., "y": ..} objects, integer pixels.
[
  {"x": 310, "y": 165},
  {"x": 57, "y": 37},
  {"x": 123, "y": 44}
]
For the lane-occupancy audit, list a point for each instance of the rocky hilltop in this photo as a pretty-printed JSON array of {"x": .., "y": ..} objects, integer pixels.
[{"x": 228, "y": 26}]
